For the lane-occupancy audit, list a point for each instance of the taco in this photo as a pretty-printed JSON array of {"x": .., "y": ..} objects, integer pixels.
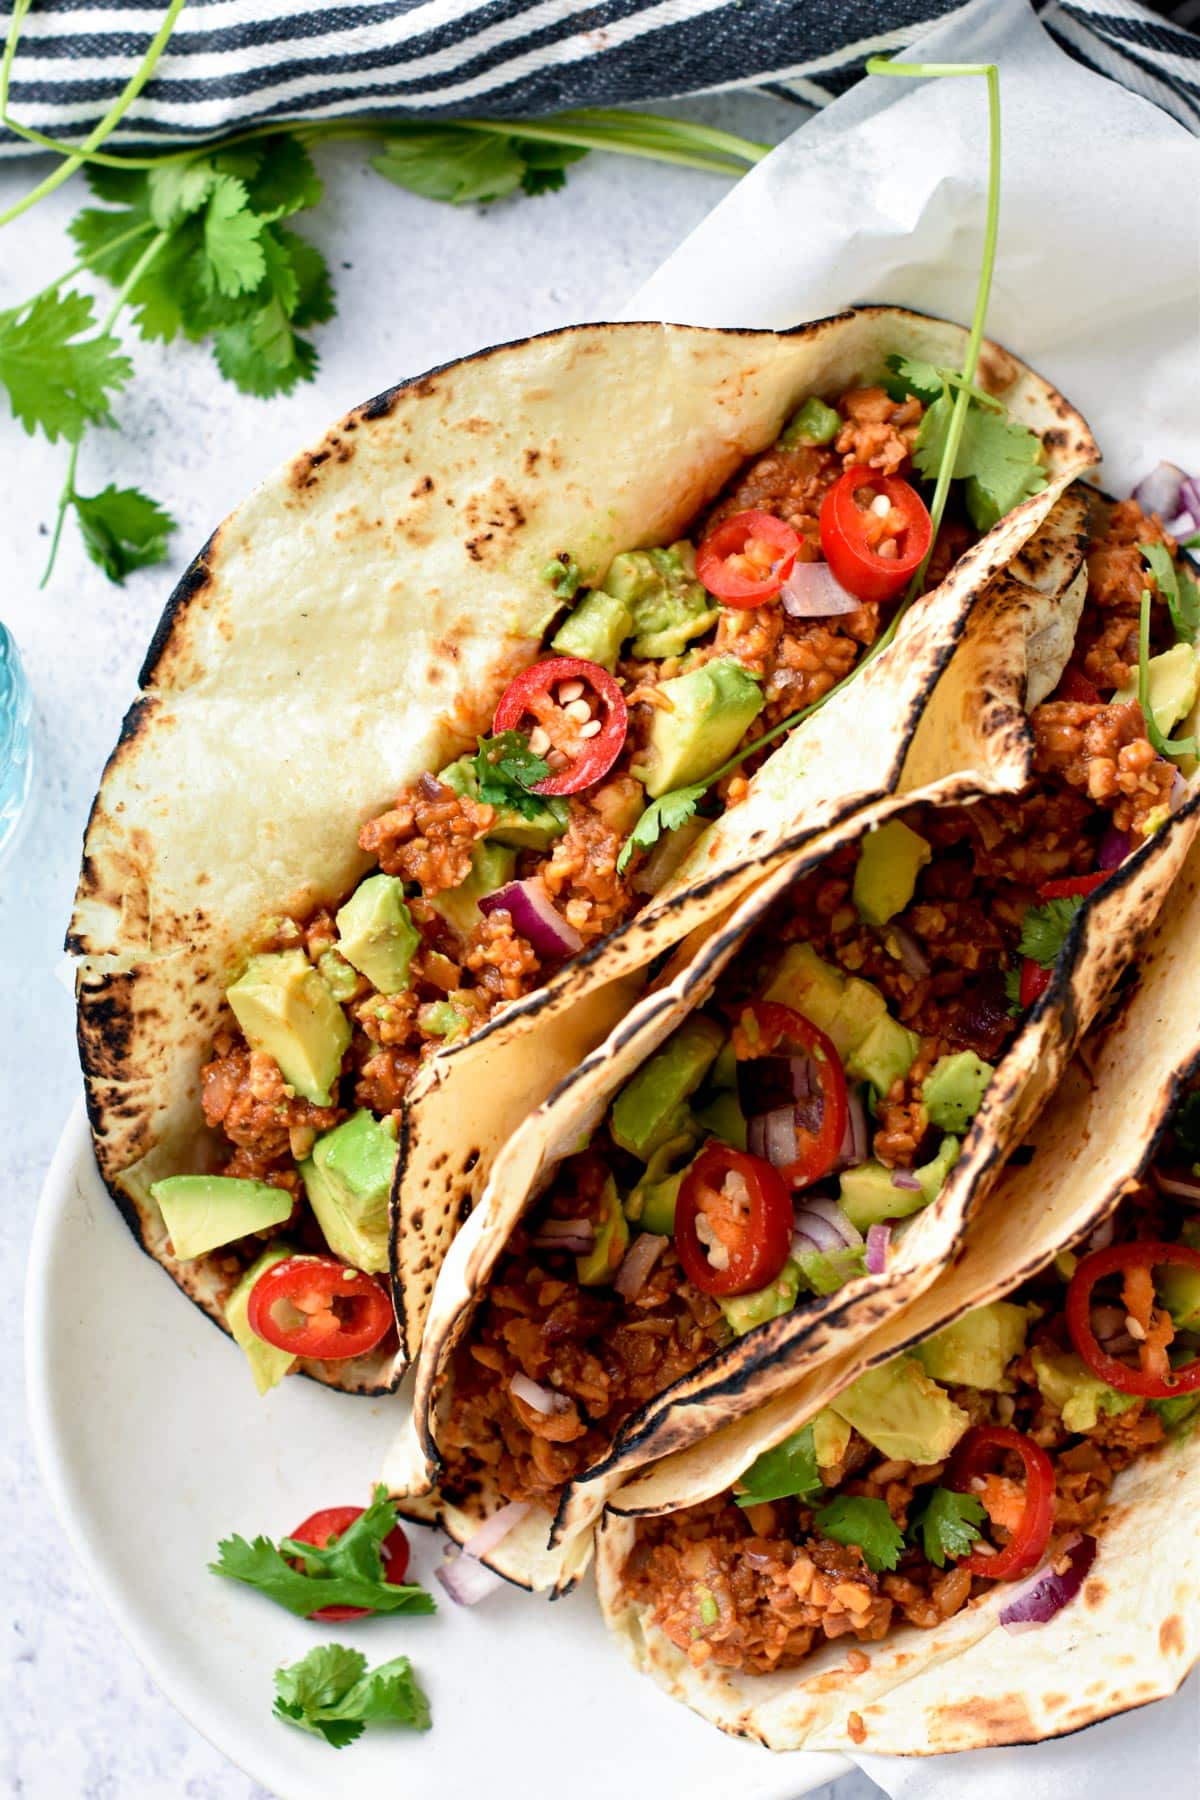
[
  {"x": 784, "y": 1143},
  {"x": 981, "y": 1526},
  {"x": 396, "y": 726}
]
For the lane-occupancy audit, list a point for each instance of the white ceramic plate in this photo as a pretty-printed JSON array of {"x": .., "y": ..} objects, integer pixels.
[{"x": 153, "y": 1445}]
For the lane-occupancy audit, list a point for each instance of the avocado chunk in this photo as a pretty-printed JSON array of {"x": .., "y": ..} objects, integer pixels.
[
  {"x": 859, "y": 1010},
  {"x": 932, "y": 1175},
  {"x": 649, "y": 1110},
  {"x": 977, "y": 1349},
  {"x": 886, "y": 1054},
  {"x": 651, "y": 1205},
  {"x": 492, "y": 866},
  {"x": 808, "y": 985},
  {"x": 348, "y": 1180},
  {"x": 885, "y": 880},
  {"x": 376, "y": 933},
  {"x": 544, "y": 819},
  {"x": 1179, "y": 1291},
  {"x": 952, "y": 1090},
  {"x": 596, "y": 629},
  {"x": 825, "y": 1271},
  {"x": 611, "y": 1241},
  {"x": 268, "y": 1365},
  {"x": 339, "y": 976},
  {"x": 814, "y": 423},
  {"x": 441, "y": 1018},
  {"x": 204, "y": 1212},
  {"x": 868, "y": 1196},
  {"x": 831, "y": 1438},
  {"x": 1065, "y": 1380},
  {"x": 668, "y": 605},
  {"x": 1173, "y": 680},
  {"x": 722, "y": 1117},
  {"x": 744, "y": 1311},
  {"x": 902, "y": 1412},
  {"x": 288, "y": 1013},
  {"x": 711, "y": 709}
]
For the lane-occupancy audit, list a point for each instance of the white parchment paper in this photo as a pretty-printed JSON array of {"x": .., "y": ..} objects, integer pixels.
[{"x": 881, "y": 197}]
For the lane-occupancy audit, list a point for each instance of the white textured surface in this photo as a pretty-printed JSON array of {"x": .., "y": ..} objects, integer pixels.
[{"x": 417, "y": 284}]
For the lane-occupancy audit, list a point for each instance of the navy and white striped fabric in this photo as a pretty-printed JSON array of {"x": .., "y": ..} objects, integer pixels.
[{"x": 234, "y": 63}]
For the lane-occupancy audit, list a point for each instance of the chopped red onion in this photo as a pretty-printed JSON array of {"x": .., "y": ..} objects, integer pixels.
[
  {"x": 639, "y": 1259},
  {"x": 854, "y": 1146},
  {"x": 813, "y": 591},
  {"x": 913, "y": 959},
  {"x": 825, "y": 1227},
  {"x": 576, "y": 1236},
  {"x": 1181, "y": 527},
  {"x": 1114, "y": 848},
  {"x": 1189, "y": 495},
  {"x": 1044, "y": 1595},
  {"x": 1178, "y": 793},
  {"x": 493, "y": 1531},
  {"x": 878, "y": 1239},
  {"x": 1180, "y": 1184},
  {"x": 464, "y": 1575},
  {"x": 1108, "y": 1322},
  {"x": 667, "y": 855},
  {"x": 1161, "y": 491},
  {"x": 431, "y": 788},
  {"x": 534, "y": 918},
  {"x": 543, "y": 1400},
  {"x": 905, "y": 1180},
  {"x": 1102, "y": 1237},
  {"x": 772, "y": 1135}
]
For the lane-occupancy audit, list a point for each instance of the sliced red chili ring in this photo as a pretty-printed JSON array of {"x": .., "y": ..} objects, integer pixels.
[
  {"x": 1027, "y": 1543},
  {"x": 1118, "y": 1259},
  {"x": 765, "y": 1029},
  {"x": 322, "y": 1528},
  {"x": 315, "y": 1306},
  {"x": 534, "y": 696},
  {"x": 853, "y": 537},
  {"x": 746, "y": 559},
  {"x": 1071, "y": 885},
  {"x": 1035, "y": 979},
  {"x": 747, "y": 1220},
  {"x": 1076, "y": 686}
]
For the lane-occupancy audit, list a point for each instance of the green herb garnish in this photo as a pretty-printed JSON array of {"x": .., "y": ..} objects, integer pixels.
[
  {"x": 1170, "y": 747},
  {"x": 1044, "y": 929},
  {"x": 666, "y": 814},
  {"x": 333, "y": 1694},
  {"x": 507, "y": 769},
  {"x": 789, "y": 1469},
  {"x": 564, "y": 575},
  {"x": 1178, "y": 589},
  {"x": 947, "y": 1525},
  {"x": 867, "y": 1525}
]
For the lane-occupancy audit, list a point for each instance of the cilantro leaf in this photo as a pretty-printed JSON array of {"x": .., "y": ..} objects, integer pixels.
[
  {"x": 947, "y": 1525},
  {"x": 231, "y": 238},
  {"x": 331, "y": 1693},
  {"x": 865, "y": 1524},
  {"x": 348, "y": 1572},
  {"x": 998, "y": 460},
  {"x": 790, "y": 1468},
  {"x": 58, "y": 379},
  {"x": 122, "y": 530},
  {"x": 909, "y": 375},
  {"x": 1186, "y": 1125},
  {"x": 665, "y": 814},
  {"x": 563, "y": 575},
  {"x": 1045, "y": 929},
  {"x": 1012, "y": 990},
  {"x": 445, "y": 162},
  {"x": 284, "y": 179},
  {"x": 545, "y": 164},
  {"x": 506, "y": 768},
  {"x": 1178, "y": 589},
  {"x": 175, "y": 189},
  {"x": 315, "y": 304}
]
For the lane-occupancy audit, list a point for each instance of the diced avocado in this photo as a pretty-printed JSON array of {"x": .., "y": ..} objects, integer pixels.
[
  {"x": 267, "y": 1364},
  {"x": 611, "y": 1241},
  {"x": 932, "y": 1175},
  {"x": 339, "y": 976},
  {"x": 724, "y": 1072},
  {"x": 723, "y": 1118},
  {"x": 1172, "y": 686},
  {"x": 531, "y": 830},
  {"x": 745, "y": 1311},
  {"x": 885, "y": 1055},
  {"x": 669, "y": 606},
  {"x": 710, "y": 710},
  {"x": 651, "y": 1205},
  {"x": 808, "y": 985},
  {"x": 1179, "y": 1290},
  {"x": 868, "y": 1196},
  {"x": 825, "y": 1271},
  {"x": 649, "y": 1109},
  {"x": 441, "y": 1018},
  {"x": 348, "y": 1180},
  {"x": 885, "y": 880},
  {"x": 953, "y": 1089},
  {"x": 977, "y": 1349},
  {"x": 815, "y": 423},
  {"x": 860, "y": 1008},
  {"x": 376, "y": 933},
  {"x": 1066, "y": 1382},
  {"x": 831, "y": 1438},
  {"x": 902, "y": 1412},
  {"x": 491, "y": 866},
  {"x": 288, "y": 1013},
  {"x": 203, "y": 1212},
  {"x": 1177, "y": 1412},
  {"x": 596, "y": 629}
]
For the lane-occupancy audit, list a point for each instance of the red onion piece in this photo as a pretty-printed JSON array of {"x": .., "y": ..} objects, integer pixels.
[
  {"x": 1181, "y": 527},
  {"x": 1178, "y": 793},
  {"x": 878, "y": 1239},
  {"x": 534, "y": 918},
  {"x": 1180, "y": 1184},
  {"x": 772, "y": 1135},
  {"x": 813, "y": 591},
  {"x": 431, "y": 788},
  {"x": 576, "y": 1236},
  {"x": 1114, "y": 848},
  {"x": 1102, "y": 1237},
  {"x": 855, "y": 1145},
  {"x": 826, "y": 1224},
  {"x": 1161, "y": 491},
  {"x": 543, "y": 1400},
  {"x": 905, "y": 1180},
  {"x": 493, "y": 1531},
  {"x": 667, "y": 855},
  {"x": 467, "y": 1581},
  {"x": 638, "y": 1261},
  {"x": 913, "y": 959},
  {"x": 1044, "y": 1595},
  {"x": 1189, "y": 498}
]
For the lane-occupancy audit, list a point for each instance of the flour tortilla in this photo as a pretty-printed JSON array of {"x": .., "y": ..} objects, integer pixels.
[
  {"x": 354, "y": 623},
  {"x": 1134, "y": 1631},
  {"x": 985, "y": 690}
]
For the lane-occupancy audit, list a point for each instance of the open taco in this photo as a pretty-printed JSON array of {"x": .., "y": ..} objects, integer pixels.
[
  {"x": 396, "y": 727},
  {"x": 785, "y": 1141},
  {"x": 980, "y": 1525}
]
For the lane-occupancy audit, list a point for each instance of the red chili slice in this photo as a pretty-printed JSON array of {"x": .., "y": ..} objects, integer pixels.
[
  {"x": 1035, "y": 979},
  {"x": 1120, "y": 1258},
  {"x": 534, "y": 696},
  {"x": 753, "y": 1227},
  {"x": 322, "y": 1528},
  {"x": 855, "y": 538},
  {"x": 314, "y": 1306},
  {"x": 746, "y": 559},
  {"x": 765, "y": 1028},
  {"x": 1076, "y": 686},
  {"x": 1070, "y": 885},
  {"x": 1027, "y": 1544}
]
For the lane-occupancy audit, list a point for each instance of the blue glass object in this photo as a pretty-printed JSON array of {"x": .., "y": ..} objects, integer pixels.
[{"x": 16, "y": 741}]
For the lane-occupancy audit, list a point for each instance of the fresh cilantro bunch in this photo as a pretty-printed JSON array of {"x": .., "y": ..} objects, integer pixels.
[
  {"x": 456, "y": 164},
  {"x": 998, "y": 461},
  {"x": 332, "y": 1693}
]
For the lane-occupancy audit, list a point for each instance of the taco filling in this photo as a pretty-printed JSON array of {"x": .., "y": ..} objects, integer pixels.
[
  {"x": 984, "y": 1455},
  {"x": 773, "y": 1144}
]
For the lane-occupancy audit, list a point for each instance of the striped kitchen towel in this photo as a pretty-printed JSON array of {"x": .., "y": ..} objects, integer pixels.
[{"x": 234, "y": 63}]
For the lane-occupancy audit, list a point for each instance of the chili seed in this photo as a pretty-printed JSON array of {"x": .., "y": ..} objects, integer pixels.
[
  {"x": 590, "y": 729},
  {"x": 579, "y": 710},
  {"x": 881, "y": 506},
  {"x": 1136, "y": 1331},
  {"x": 568, "y": 691},
  {"x": 539, "y": 740}
]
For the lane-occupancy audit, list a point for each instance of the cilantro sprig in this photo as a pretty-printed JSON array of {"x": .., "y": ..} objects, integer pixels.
[
  {"x": 789, "y": 1469},
  {"x": 348, "y": 1572},
  {"x": 867, "y": 1525},
  {"x": 332, "y": 1694},
  {"x": 1044, "y": 928},
  {"x": 947, "y": 1525},
  {"x": 1178, "y": 588},
  {"x": 667, "y": 814},
  {"x": 506, "y": 769}
]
